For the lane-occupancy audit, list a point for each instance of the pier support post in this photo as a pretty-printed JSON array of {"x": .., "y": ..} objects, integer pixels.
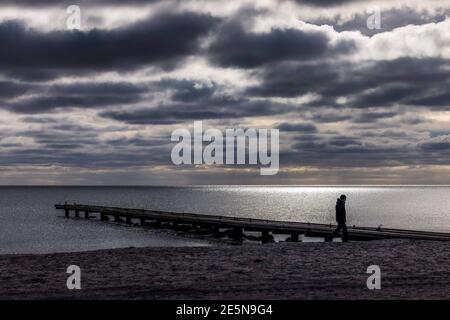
[
  {"x": 128, "y": 220},
  {"x": 265, "y": 238},
  {"x": 294, "y": 237},
  {"x": 77, "y": 213},
  {"x": 142, "y": 221},
  {"x": 238, "y": 233},
  {"x": 66, "y": 211},
  {"x": 103, "y": 217},
  {"x": 86, "y": 214},
  {"x": 307, "y": 233}
]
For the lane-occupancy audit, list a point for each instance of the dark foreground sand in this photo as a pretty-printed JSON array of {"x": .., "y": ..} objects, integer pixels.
[{"x": 409, "y": 269}]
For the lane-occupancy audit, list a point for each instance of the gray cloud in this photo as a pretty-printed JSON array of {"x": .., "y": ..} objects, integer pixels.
[
  {"x": 78, "y": 95},
  {"x": 13, "y": 89},
  {"x": 437, "y": 145},
  {"x": 220, "y": 108},
  {"x": 192, "y": 100},
  {"x": 369, "y": 117},
  {"x": 358, "y": 115},
  {"x": 408, "y": 81},
  {"x": 390, "y": 19},
  {"x": 326, "y": 3},
  {"x": 235, "y": 47},
  {"x": 298, "y": 127},
  {"x": 162, "y": 40}
]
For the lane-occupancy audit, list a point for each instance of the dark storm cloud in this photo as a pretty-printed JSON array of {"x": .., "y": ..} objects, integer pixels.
[
  {"x": 38, "y": 120},
  {"x": 100, "y": 88},
  {"x": 181, "y": 93},
  {"x": 72, "y": 145},
  {"x": 335, "y": 150},
  {"x": 408, "y": 81},
  {"x": 46, "y": 104},
  {"x": 340, "y": 79},
  {"x": 162, "y": 40},
  {"x": 326, "y": 3},
  {"x": 390, "y": 19},
  {"x": 78, "y": 95},
  {"x": 235, "y": 47},
  {"x": 59, "y": 3},
  {"x": 34, "y": 75},
  {"x": 195, "y": 100},
  {"x": 389, "y": 134},
  {"x": 438, "y": 144},
  {"x": 369, "y": 148},
  {"x": 71, "y": 127},
  {"x": 186, "y": 90},
  {"x": 77, "y": 145},
  {"x": 139, "y": 142},
  {"x": 328, "y": 116},
  {"x": 45, "y": 3},
  {"x": 388, "y": 94},
  {"x": 292, "y": 80},
  {"x": 81, "y": 147},
  {"x": 374, "y": 100},
  {"x": 439, "y": 101},
  {"x": 412, "y": 119},
  {"x": 69, "y": 155},
  {"x": 50, "y": 136},
  {"x": 369, "y": 117},
  {"x": 298, "y": 127},
  {"x": 218, "y": 108},
  {"x": 13, "y": 89}
]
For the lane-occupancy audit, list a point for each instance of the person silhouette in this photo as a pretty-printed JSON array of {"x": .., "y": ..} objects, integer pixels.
[{"x": 341, "y": 219}]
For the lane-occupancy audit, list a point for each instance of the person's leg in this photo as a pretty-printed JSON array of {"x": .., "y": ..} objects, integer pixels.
[
  {"x": 344, "y": 232},
  {"x": 335, "y": 232}
]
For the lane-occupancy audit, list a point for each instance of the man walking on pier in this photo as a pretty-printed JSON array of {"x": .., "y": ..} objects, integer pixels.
[{"x": 340, "y": 219}]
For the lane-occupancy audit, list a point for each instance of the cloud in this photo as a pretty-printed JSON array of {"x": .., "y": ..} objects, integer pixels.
[
  {"x": 297, "y": 127},
  {"x": 78, "y": 95},
  {"x": 437, "y": 144},
  {"x": 390, "y": 19},
  {"x": 51, "y": 3},
  {"x": 162, "y": 40},
  {"x": 195, "y": 100},
  {"x": 12, "y": 89},
  {"x": 404, "y": 81},
  {"x": 326, "y": 3},
  {"x": 370, "y": 117},
  {"x": 236, "y": 47},
  {"x": 363, "y": 105},
  {"x": 438, "y": 101},
  {"x": 186, "y": 90},
  {"x": 220, "y": 108}
]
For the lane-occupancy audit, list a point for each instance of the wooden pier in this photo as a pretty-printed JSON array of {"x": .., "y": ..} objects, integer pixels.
[{"x": 239, "y": 225}]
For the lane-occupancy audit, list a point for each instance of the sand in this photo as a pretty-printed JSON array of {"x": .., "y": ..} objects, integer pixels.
[{"x": 409, "y": 269}]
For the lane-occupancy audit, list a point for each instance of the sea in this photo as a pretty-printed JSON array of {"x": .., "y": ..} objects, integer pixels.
[{"x": 29, "y": 223}]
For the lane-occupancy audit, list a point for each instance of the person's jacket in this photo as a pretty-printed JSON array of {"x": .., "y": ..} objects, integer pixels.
[{"x": 340, "y": 211}]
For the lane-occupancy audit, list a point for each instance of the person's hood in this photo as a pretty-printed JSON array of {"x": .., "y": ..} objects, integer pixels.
[{"x": 339, "y": 201}]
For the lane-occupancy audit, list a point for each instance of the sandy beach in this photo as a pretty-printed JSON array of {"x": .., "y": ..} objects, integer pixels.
[{"x": 409, "y": 269}]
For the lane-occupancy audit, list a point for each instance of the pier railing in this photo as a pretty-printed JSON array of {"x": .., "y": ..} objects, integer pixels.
[{"x": 238, "y": 224}]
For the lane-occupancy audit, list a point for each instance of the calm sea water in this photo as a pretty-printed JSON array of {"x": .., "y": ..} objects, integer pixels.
[{"x": 30, "y": 224}]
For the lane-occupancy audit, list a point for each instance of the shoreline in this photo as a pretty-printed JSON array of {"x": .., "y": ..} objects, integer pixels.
[{"x": 409, "y": 270}]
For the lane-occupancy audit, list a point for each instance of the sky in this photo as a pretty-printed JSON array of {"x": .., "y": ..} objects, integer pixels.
[{"x": 357, "y": 88}]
